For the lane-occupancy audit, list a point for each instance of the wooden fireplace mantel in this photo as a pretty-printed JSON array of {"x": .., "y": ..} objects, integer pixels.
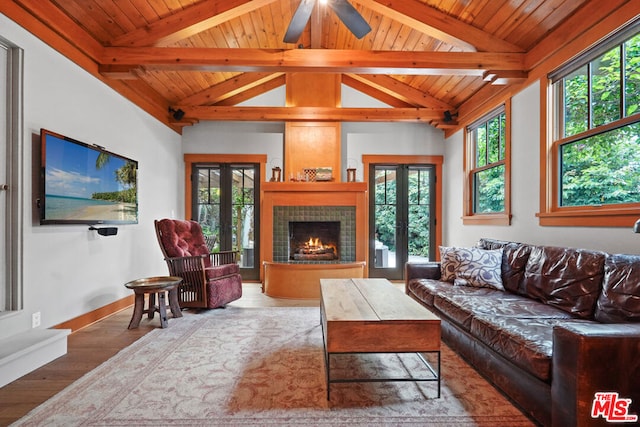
[
  {"x": 314, "y": 187},
  {"x": 310, "y": 194}
]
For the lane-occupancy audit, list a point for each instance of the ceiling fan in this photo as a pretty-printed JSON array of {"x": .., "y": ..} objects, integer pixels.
[{"x": 347, "y": 14}]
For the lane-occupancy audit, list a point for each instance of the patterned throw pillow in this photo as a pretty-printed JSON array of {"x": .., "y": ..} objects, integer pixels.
[
  {"x": 478, "y": 267},
  {"x": 448, "y": 264}
]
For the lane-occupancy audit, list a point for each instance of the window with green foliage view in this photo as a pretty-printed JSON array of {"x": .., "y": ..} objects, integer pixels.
[
  {"x": 597, "y": 127},
  {"x": 488, "y": 142}
]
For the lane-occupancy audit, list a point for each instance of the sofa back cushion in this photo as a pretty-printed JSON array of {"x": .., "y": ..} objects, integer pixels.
[
  {"x": 570, "y": 279},
  {"x": 620, "y": 297},
  {"x": 514, "y": 261}
]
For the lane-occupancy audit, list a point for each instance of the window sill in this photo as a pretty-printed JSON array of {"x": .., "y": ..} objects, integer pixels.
[
  {"x": 605, "y": 217},
  {"x": 487, "y": 219}
]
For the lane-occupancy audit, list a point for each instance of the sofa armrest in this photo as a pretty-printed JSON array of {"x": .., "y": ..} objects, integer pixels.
[
  {"x": 589, "y": 358},
  {"x": 423, "y": 270}
]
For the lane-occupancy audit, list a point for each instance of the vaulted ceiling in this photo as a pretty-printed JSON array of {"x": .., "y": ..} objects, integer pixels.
[{"x": 204, "y": 57}]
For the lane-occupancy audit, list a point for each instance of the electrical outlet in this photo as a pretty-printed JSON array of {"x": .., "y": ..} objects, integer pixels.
[{"x": 35, "y": 319}]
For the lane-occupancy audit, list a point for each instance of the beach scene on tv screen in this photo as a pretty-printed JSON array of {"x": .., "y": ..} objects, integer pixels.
[{"x": 84, "y": 184}]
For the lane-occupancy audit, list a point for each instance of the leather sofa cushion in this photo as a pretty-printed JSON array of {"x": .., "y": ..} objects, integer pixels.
[
  {"x": 516, "y": 327},
  {"x": 511, "y": 305},
  {"x": 619, "y": 300},
  {"x": 569, "y": 279},
  {"x": 514, "y": 261},
  {"x": 528, "y": 343},
  {"x": 426, "y": 289},
  {"x": 462, "y": 307}
]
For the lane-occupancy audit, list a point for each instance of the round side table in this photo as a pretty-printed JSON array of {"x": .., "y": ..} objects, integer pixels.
[{"x": 152, "y": 286}]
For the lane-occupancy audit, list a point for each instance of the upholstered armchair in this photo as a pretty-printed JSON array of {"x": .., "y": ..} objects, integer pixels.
[{"x": 210, "y": 280}]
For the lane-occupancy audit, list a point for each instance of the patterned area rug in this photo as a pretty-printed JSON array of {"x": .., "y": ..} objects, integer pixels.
[{"x": 265, "y": 367}]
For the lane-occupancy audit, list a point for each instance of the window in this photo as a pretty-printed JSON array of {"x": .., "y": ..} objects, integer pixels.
[
  {"x": 487, "y": 169},
  {"x": 10, "y": 177},
  {"x": 594, "y": 167}
]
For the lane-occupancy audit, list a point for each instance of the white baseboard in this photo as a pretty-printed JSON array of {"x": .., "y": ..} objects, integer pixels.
[{"x": 25, "y": 352}]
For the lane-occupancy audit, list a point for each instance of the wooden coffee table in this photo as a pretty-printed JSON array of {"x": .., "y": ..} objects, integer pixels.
[{"x": 373, "y": 316}]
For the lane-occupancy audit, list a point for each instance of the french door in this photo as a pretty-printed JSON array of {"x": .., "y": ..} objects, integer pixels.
[
  {"x": 225, "y": 202},
  {"x": 402, "y": 217}
]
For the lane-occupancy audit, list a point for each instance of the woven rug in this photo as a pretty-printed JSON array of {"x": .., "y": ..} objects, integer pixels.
[{"x": 265, "y": 367}]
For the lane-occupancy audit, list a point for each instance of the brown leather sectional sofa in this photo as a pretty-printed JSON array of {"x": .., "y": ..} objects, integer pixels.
[{"x": 565, "y": 327}]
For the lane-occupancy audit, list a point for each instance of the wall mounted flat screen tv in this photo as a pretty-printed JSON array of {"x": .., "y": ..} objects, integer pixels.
[{"x": 85, "y": 184}]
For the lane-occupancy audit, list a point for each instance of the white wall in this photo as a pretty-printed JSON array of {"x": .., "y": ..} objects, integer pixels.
[
  {"x": 69, "y": 270},
  {"x": 525, "y": 181},
  {"x": 387, "y": 138}
]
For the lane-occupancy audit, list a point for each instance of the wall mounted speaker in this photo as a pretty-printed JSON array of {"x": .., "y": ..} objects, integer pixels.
[{"x": 105, "y": 231}]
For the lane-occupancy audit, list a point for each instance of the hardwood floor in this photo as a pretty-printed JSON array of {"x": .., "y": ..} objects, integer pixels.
[{"x": 90, "y": 346}]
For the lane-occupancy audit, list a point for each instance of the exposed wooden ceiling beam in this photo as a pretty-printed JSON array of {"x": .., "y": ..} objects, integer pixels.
[
  {"x": 311, "y": 60},
  {"x": 439, "y": 25},
  {"x": 52, "y": 17},
  {"x": 315, "y": 114},
  {"x": 499, "y": 77},
  {"x": 190, "y": 21},
  {"x": 229, "y": 88},
  {"x": 401, "y": 91},
  {"x": 389, "y": 99},
  {"x": 254, "y": 91}
]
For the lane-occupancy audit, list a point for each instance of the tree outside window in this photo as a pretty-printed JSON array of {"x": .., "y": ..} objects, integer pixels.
[
  {"x": 598, "y": 128},
  {"x": 487, "y": 143}
]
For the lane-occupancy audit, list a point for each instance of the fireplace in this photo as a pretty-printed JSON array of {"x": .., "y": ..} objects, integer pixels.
[
  {"x": 284, "y": 202},
  {"x": 314, "y": 240},
  {"x": 342, "y": 218}
]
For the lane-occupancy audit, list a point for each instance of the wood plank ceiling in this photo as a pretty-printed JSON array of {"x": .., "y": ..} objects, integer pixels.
[{"x": 422, "y": 57}]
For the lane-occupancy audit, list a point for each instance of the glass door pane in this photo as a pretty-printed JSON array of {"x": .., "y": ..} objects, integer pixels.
[
  {"x": 208, "y": 205},
  {"x": 385, "y": 220},
  {"x": 243, "y": 211},
  {"x": 419, "y": 222}
]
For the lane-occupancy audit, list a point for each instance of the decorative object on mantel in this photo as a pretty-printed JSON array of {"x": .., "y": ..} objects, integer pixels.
[
  {"x": 309, "y": 175},
  {"x": 324, "y": 174},
  {"x": 351, "y": 175},
  {"x": 276, "y": 174}
]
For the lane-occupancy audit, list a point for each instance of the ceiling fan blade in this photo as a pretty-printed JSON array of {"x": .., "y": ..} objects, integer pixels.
[
  {"x": 299, "y": 21},
  {"x": 350, "y": 17}
]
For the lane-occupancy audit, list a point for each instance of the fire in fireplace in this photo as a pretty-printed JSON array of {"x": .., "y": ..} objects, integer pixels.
[{"x": 314, "y": 240}]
